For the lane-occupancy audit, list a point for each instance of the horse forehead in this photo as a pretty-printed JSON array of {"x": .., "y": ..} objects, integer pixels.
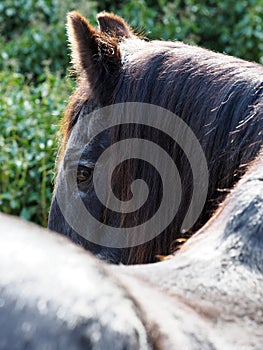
[{"x": 86, "y": 126}]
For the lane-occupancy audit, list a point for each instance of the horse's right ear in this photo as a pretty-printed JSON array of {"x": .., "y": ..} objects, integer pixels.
[{"x": 94, "y": 54}]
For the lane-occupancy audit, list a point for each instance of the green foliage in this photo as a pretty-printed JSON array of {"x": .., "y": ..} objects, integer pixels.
[
  {"x": 230, "y": 26},
  {"x": 33, "y": 34},
  {"x": 34, "y": 60},
  {"x": 29, "y": 117}
]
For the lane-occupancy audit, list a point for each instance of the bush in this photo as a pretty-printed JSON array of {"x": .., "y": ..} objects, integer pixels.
[
  {"x": 34, "y": 34},
  {"x": 230, "y": 26},
  {"x": 29, "y": 118}
]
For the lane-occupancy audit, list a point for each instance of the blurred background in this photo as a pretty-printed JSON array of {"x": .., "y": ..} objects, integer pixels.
[{"x": 34, "y": 87}]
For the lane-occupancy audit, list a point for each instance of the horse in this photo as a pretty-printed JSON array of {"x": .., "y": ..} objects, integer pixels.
[
  {"x": 207, "y": 295},
  {"x": 217, "y": 96},
  {"x": 55, "y": 294}
]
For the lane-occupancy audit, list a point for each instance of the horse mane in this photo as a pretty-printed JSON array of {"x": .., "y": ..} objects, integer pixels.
[{"x": 218, "y": 96}]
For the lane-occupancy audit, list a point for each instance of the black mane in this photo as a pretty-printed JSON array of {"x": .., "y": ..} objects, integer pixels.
[{"x": 218, "y": 96}]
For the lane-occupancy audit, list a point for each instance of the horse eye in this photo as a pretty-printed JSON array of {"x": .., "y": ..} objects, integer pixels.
[{"x": 84, "y": 174}]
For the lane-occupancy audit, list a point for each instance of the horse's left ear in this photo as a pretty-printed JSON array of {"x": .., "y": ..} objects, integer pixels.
[
  {"x": 95, "y": 55},
  {"x": 114, "y": 26}
]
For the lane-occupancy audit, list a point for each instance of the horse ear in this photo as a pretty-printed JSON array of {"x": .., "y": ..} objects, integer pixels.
[
  {"x": 94, "y": 54},
  {"x": 113, "y": 25}
]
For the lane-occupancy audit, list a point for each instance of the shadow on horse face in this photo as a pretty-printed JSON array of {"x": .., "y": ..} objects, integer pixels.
[
  {"x": 83, "y": 165},
  {"x": 216, "y": 95}
]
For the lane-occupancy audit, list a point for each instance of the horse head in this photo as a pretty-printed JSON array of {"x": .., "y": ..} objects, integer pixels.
[{"x": 215, "y": 133}]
